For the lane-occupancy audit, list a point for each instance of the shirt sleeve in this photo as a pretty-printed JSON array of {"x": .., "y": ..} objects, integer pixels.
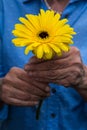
[
  {"x": 1, "y": 28},
  {"x": 4, "y": 110},
  {"x": 1, "y": 70}
]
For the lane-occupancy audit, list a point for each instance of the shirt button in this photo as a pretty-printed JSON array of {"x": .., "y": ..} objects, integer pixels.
[
  {"x": 53, "y": 115},
  {"x": 67, "y": 15},
  {"x": 53, "y": 90}
]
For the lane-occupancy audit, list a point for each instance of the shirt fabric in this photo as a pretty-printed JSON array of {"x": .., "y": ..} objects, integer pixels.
[{"x": 65, "y": 109}]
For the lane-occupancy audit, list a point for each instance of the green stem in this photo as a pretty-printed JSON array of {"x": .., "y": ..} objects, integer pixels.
[{"x": 38, "y": 110}]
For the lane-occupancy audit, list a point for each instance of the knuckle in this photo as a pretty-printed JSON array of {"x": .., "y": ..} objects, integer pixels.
[
  {"x": 15, "y": 70},
  {"x": 6, "y": 79},
  {"x": 76, "y": 50},
  {"x": 76, "y": 76},
  {"x": 52, "y": 74},
  {"x": 50, "y": 64},
  {"x": 78, "y": 70},
  {"x": 26, "y": 67},
  {"x": 76, "y": 73}
]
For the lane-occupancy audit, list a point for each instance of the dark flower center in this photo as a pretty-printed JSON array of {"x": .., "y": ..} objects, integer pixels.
[{"x": 43, "y": 35}]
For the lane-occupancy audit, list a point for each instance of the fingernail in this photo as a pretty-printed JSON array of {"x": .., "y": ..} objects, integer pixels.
[{"x": 47, "y": 89}]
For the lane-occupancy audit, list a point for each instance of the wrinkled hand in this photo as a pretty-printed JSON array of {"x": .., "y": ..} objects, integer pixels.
[
  {"x": 67, "y": 70},
  {"x": 18, "y": 89}
]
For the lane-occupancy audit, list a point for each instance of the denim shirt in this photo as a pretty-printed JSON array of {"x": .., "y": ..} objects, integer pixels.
[{"x": 65, "y": 109}]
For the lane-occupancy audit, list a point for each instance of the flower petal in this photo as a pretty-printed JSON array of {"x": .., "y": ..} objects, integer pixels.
[
  {"x": 46, "y": 48},
  {"x": 49, "y": 55},
  {"x": 28, "y": 49},
  {"x": 39, "y": 53},
  {"x": 64, "y": 47},
  {"x": 20, "y": 42},
  {"x": 56, "y": 49}
]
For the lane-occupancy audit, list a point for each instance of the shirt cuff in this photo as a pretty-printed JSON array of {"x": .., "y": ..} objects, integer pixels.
[{"x": 4, "y": 112}]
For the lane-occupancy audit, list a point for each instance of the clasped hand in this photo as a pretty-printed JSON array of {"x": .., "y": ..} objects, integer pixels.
[
  {"x": 66, "y": 70},
  {"x": 27, "y": 87},
  {"x": 19, "y": 89}
]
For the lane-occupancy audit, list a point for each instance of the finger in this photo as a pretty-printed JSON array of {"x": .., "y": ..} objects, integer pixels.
[
  {"x": 44, "y": 81},
  {"x": 17, "y": 102},
  {"x": 52, "y": 74},
  {"x": 35, "y": 60},
  {"x": 70, "y": 52},
  {"x": 12, "y": 92},
  {"x": 71, "y": 71},
  {"x": 63, "y": 82},
  {"x": 43, "y": 86},
  {"x": 46, "y": 65},
  {"x": 54, "y": 64},
  {"x": 27, "y": 97},
  {"x": 26, "y": 86},
  {"x": 19, "y": 95},
  {"x": 56, "y": 74},
  {"x": 34, "y": 89},
  {"x": 30, "y": 82}
]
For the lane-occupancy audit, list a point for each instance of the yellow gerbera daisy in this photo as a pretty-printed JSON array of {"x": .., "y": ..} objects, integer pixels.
[{"x": 43, "y": 34}]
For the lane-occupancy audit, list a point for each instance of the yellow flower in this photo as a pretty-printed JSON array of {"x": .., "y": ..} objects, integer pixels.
[{"x": 43, "y": 34}]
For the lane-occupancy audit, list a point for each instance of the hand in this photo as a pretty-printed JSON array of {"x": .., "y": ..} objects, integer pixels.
[
  {"x": 18, "y": 89},
  {"x": 66, "y": 70}
]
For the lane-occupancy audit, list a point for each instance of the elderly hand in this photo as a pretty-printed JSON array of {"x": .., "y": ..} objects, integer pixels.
[
  {"x": 19, "y": 89},
  {"x": 66, "y": 70}
]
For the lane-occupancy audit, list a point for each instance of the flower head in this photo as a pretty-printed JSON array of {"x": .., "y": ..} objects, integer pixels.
[{"x": 43, "y": 34}]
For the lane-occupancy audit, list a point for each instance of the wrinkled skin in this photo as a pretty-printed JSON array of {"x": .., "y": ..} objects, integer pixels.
[
  {"x": 67, "y": 70},
  {"x": 20, "y": 90},
  {"x": 26, "y": 87}
]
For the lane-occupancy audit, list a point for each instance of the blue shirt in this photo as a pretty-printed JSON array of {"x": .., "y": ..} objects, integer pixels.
[{"x": 65, "y": 109}]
